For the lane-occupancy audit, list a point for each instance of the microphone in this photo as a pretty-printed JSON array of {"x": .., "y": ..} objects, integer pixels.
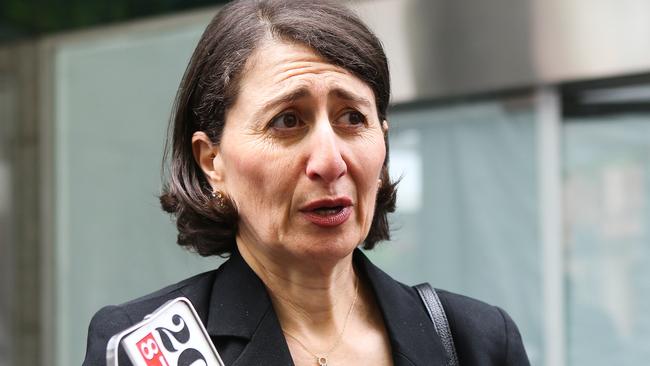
[{"x": 173, "y": 335}]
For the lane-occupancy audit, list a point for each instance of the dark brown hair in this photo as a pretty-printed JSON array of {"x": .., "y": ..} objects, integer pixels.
[{"x": 210, "y": 86}]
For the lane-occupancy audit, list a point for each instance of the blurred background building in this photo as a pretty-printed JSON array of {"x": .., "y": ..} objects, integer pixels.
[{"x": 521, "y": 129}]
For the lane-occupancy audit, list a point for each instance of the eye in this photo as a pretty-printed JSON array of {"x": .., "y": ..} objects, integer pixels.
[
  {"x": 286, "y": 120},
  {"x": 352, "y": 118}
]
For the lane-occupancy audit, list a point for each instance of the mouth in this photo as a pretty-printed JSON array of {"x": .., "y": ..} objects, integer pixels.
[{"x": 328, "y": 212}]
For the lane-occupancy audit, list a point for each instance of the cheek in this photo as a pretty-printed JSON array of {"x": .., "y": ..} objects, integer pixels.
[
  {"x": 371, "y": 160},
  {"x": 369, "y": 165},
  {"x": 257, "y": 180}
]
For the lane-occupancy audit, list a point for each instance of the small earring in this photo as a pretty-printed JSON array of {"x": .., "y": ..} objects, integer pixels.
[{"x": 219, "y": 197}]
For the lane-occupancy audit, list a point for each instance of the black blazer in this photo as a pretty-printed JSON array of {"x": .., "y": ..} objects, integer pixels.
[{"x": 236, "y": 309}]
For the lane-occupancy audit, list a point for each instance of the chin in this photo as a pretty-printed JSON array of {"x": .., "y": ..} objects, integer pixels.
[{"x": 324, "y": 248}]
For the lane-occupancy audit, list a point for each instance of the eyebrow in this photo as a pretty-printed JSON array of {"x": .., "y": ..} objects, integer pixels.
[
  {"x": 288, "y": 98},
  {"x": 304, "y": 92},
  {"x": 348, "y": 96}
]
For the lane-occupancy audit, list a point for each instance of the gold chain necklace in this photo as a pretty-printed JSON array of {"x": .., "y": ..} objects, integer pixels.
[{"x": 322, "y": 359}]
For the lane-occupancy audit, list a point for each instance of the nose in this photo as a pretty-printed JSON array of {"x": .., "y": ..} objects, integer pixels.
[{"x": 325, "y": 160}]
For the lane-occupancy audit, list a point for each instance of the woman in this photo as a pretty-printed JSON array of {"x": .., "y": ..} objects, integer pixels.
[{"x": 279, "y": 160}]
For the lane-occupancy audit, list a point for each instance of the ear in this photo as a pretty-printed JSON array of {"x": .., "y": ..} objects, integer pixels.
[
  {"x": 207, "y": 156},
  {"x": 384, "y": 126}
]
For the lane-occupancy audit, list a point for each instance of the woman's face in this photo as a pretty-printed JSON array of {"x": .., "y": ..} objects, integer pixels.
[{"x": 301, "y": 154}]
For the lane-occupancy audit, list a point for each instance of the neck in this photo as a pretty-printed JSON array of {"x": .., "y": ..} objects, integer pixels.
[{"x": 312, "y": 300}]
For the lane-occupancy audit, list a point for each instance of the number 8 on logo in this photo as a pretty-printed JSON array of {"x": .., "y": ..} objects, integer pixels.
[{"x": 151, "y": 351}]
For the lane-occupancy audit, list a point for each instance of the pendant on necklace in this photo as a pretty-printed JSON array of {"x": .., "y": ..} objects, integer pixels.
[{"x": 322, "y": 361}]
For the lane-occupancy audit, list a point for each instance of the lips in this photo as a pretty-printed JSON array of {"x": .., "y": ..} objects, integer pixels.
[{"x": 328, "y": 212}]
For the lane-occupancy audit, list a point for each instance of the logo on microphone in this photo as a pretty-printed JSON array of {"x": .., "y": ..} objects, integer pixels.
[
  {"x": 171, "y": 336},
  {"x": 176, "y": 342},
  {"x": 150, "y": 351}
]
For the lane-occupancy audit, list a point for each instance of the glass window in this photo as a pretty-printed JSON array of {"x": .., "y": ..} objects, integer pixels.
[
  {"x": 467, "y": 217},
  {"x": 112, "y": 101},
  {"x": 607, "y": 192}
]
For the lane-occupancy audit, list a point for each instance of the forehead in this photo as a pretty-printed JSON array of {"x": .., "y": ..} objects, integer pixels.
[{"x": 278, "y": 65}]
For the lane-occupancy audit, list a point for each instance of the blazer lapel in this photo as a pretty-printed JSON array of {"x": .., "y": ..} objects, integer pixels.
[
  {"x": 412, "y": 336},
  {"x": 240, "y": 307},
  {"x": 268, "y": 345}
]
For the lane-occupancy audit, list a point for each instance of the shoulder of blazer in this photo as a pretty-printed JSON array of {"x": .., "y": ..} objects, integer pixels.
[
  {"x": 483, "y": 334},
  {"x": 112, "y": 319}
]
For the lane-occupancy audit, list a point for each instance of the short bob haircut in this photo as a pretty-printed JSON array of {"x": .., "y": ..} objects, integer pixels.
[{"x": 210, "y": 86}]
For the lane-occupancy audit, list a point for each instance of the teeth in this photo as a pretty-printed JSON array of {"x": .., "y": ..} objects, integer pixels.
[{"x": 324, "y": 211}]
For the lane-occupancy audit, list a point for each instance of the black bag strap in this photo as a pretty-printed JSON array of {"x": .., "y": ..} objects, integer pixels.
[{"x": 440, "y": 323}]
